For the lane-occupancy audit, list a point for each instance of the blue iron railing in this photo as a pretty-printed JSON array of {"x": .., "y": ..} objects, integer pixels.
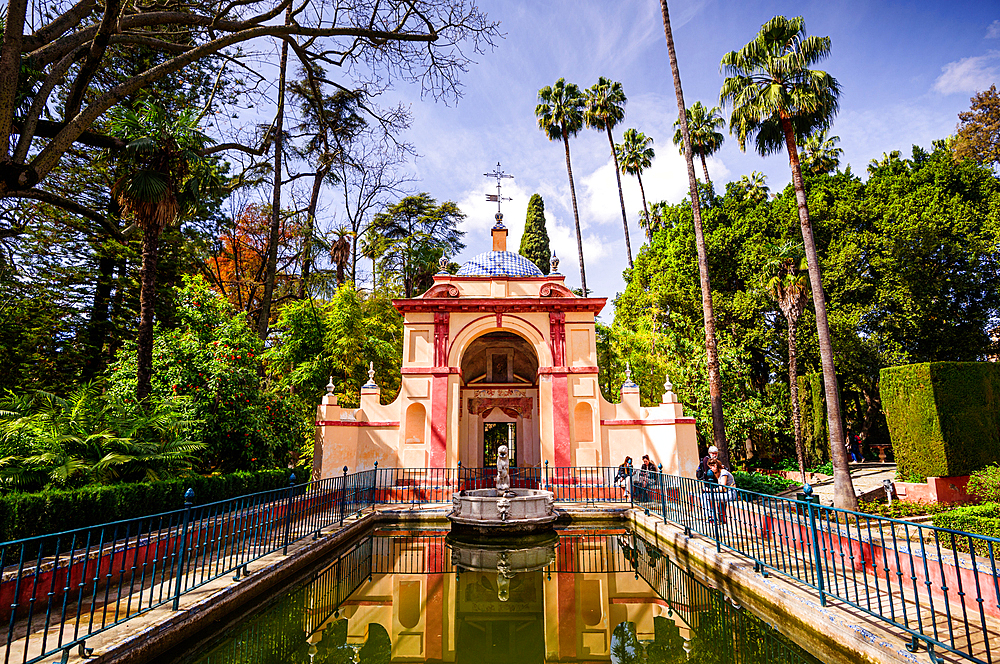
[{"x": 939, "y": 586}]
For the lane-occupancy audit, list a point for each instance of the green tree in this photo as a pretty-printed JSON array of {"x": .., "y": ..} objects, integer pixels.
[
  {"x": 774, "y": 97},
  {"x": 422, "y": 233},
  {"x": 560, "y": 115},
  {"x": 535, "y": 239},
  {"x": 978, "y": 135},
  {"x": 820, "y": 154},
  {"x": 605, "y": 109},
  {"x": 714, "y": 374},
  {"x": 706, "y": 139},
  {"x": 786, "y": 281},
  {"x": 634, "y": 155},
  {"x": 162, "y": 176}
]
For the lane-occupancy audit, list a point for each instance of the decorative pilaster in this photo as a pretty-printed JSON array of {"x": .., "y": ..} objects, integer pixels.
[
  {"x": 557, "y": 337},
  {"x": 441, "y": 322}
]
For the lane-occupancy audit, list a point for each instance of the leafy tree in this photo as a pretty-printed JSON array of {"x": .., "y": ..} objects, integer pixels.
[
  {"x": 634, "y": 155},
  {"x": 714, "y": 375},
  {"x": 422, "y": 232},
  {"x": 703, "y": 125},
  {"x": 754, "y": 186},
  {"x": 605, "y": 109},
  {"x": 786, "y": 281},
  {"x": 819, "y": 153},
  {"x": 560, "y": 115},
  {"x": 213, "y": 358},
  {"x": 162, "y": 177},
  {"x": 535, "y": 239},
  {"x": 978, "y": 135},
  {"x": 775, "y": 97}
]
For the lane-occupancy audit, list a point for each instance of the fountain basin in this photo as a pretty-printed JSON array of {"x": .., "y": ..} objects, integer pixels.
[
  {"x": 480, "y": 512},
  {"x": 488, "y": 557}
]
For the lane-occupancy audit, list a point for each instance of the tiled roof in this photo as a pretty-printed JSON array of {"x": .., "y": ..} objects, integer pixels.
[{"x": 499, "y": 263}]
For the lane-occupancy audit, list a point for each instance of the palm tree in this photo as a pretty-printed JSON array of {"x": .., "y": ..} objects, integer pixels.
[
  {"x": 714, "y": 374},
  {"x": 754, "y": 187},
  {"x": 786, "y": 280},
  {"x": 340, "y": 251},
  {"x": 703, "y": 126},
  {"x": 819, "y": 154},
  {"x": 605, "y": 110},
  {"x": 162, "y": 177},
  {"x": 560, "y": 115},
  {"x": 634, "y": 155},
  {"x": 774, "y": 98}
]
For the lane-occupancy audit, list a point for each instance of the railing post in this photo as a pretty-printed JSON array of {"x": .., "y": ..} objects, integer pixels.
[
  {"x": 547, "y": 486},
  {"x": 663, "y": 494},
  {"x": 631, "y": 489},
  {"x": 458, "y": 477},
  {"x": 711, "y": 478},
  {"x": 343, "y": 496},
  {"x": 182, "y": 557},
  {"x": 288, "y": 512},
  {"x": 371, "y": 496},
  {"x": 811, "y": 500}
]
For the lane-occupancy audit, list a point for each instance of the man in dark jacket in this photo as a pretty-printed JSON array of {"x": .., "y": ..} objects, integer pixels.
[{"x": 713, "y": 453}]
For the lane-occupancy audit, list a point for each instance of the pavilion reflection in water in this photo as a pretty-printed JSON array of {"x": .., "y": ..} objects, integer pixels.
[{"x": 605, "y": 596}]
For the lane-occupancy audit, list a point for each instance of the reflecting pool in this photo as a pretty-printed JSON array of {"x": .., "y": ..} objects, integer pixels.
[{"x": 596, "y": 595}]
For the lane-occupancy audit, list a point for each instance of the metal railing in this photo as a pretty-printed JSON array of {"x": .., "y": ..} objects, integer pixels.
[{"x": 940, "y": 586}]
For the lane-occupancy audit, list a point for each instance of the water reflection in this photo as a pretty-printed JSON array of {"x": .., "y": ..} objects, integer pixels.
[{"x": 587, "y": 596}]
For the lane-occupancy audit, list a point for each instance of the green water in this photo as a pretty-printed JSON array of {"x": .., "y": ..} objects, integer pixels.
[{"x": 594, "y": 595}]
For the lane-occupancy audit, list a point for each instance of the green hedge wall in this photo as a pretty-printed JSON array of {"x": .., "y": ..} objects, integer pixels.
[
  {"x": 812, "y": 411},
  {"x": 976, "y": 519},
  {"x": 29, "y": 514},
  {"x": 943, "y": 417}
]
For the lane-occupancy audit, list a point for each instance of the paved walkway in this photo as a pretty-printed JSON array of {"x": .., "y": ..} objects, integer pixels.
[{"x": 865, "y": 476}]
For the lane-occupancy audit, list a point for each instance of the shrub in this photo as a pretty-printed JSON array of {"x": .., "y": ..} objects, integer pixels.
[
  {"x": 29, "y": 514},
  {"x": 900, "y": 509},
  {"x": 943, "y": 417},
  {"x": 761, "y": 483},
  {"x": 975, "y": 519},
  {"x": 812, "y": 410},
  {"x": 985, "y": 484}
]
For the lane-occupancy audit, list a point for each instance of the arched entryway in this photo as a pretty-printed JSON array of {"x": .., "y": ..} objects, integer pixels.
[{"x": 499, "y": 401}]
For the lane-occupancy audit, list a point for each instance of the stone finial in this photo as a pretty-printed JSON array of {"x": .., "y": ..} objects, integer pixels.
[
  {"x": 330, "y": 387},
  {"x": 554, "y": 264},
  {"x": 443, "y": 265},
  {"x": 667, "y": 385},
  {"x": 371, "y": 376},
  {"x": 628, "y": 377}
]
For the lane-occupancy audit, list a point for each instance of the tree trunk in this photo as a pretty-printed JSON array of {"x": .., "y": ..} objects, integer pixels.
[
  {"x": 843, "y": 488},
  {"x": 704, "y": 167},
  {"x": 576, "y": 218},
  {"x": 621, "y": 196},
  {"x": 793, "y": 386},
  {"x": 264, "y": 317},
  {"x": 310, "y": 230},
  {"x": 147, "y": 305},
  {"x": 645, "y": 207},
  {"x": 714, "y": 374},
  {"x": 97, "y": 328},
  {"x": 10, "y": 63}
]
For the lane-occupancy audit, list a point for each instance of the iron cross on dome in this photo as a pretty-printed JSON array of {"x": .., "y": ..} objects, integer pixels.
[{"x": 497, "y": 198}]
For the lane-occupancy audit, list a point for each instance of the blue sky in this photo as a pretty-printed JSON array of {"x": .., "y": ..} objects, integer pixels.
[{"x": 906, "y": 69}]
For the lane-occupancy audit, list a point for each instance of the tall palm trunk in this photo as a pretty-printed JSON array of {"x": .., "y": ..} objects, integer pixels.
[
  {"x": 714, "y": 374},
  {"x": 843, "y": 488},
  {"x": 576, "y": 217},
  {"x": 793, "y": 386},
  {"x": 704, "y": 167},
  {"x": 147, "y": 308},
  {"x": 621, "y": 196},
  {"x": 264, "y": 320},
  {"x": 645, "y": 206}
]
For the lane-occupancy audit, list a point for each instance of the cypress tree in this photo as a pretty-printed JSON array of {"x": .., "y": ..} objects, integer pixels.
[{"x": 535, "y": 240}]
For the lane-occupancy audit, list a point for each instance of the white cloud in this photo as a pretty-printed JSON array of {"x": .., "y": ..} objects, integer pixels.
[
  {"x": 993, "y": 31},
  {"x": 970, "y": 74}
]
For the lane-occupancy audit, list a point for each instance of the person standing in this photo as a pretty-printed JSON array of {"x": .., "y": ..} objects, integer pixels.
[
  {"x": 715, "y": 498},
  {"x": 713, "y": 454}
]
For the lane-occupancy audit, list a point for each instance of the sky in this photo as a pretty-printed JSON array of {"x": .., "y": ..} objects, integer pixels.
[{"x": 906, "y": 70}]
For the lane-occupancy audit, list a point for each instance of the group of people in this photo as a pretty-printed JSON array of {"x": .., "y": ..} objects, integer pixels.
[{"x": 641, "y": 482}]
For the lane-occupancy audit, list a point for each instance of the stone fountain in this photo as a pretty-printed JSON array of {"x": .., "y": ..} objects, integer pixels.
[{"x": 502, "y": 511}]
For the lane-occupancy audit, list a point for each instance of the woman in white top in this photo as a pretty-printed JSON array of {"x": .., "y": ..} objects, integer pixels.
[{"x": 724, "y": 493}]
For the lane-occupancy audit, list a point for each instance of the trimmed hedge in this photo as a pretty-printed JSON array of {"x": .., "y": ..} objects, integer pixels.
[
  {"x": 29, "y": 514},
  {"x": 943, "y": 417},
  {"x": 976, "y": 519},
  {"x": 812, "y": 413},
  {"x": 761, "y": 483}
]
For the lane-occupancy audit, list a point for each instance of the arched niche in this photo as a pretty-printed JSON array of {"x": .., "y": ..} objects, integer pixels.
[
  {"x": 583, "y": 422},
  {"x": 416, "y": 419},
  {"x": 512, "y": 324},
  {"x": 500, "y": 357}
]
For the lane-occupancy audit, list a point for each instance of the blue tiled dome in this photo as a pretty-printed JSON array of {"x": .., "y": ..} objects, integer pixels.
[{"x": 499, "y": 263}]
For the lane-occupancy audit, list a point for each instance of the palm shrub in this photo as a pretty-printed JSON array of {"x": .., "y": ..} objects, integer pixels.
[
  {"x": 213, "y": 359},
  {"x": 985, "y": 484}
]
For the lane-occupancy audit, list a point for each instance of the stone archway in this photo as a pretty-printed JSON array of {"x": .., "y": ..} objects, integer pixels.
[{"x": 499, "y": 386}]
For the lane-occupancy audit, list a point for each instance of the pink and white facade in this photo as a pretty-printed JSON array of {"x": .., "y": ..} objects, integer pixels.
[{"x": 501, "y": 344}]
